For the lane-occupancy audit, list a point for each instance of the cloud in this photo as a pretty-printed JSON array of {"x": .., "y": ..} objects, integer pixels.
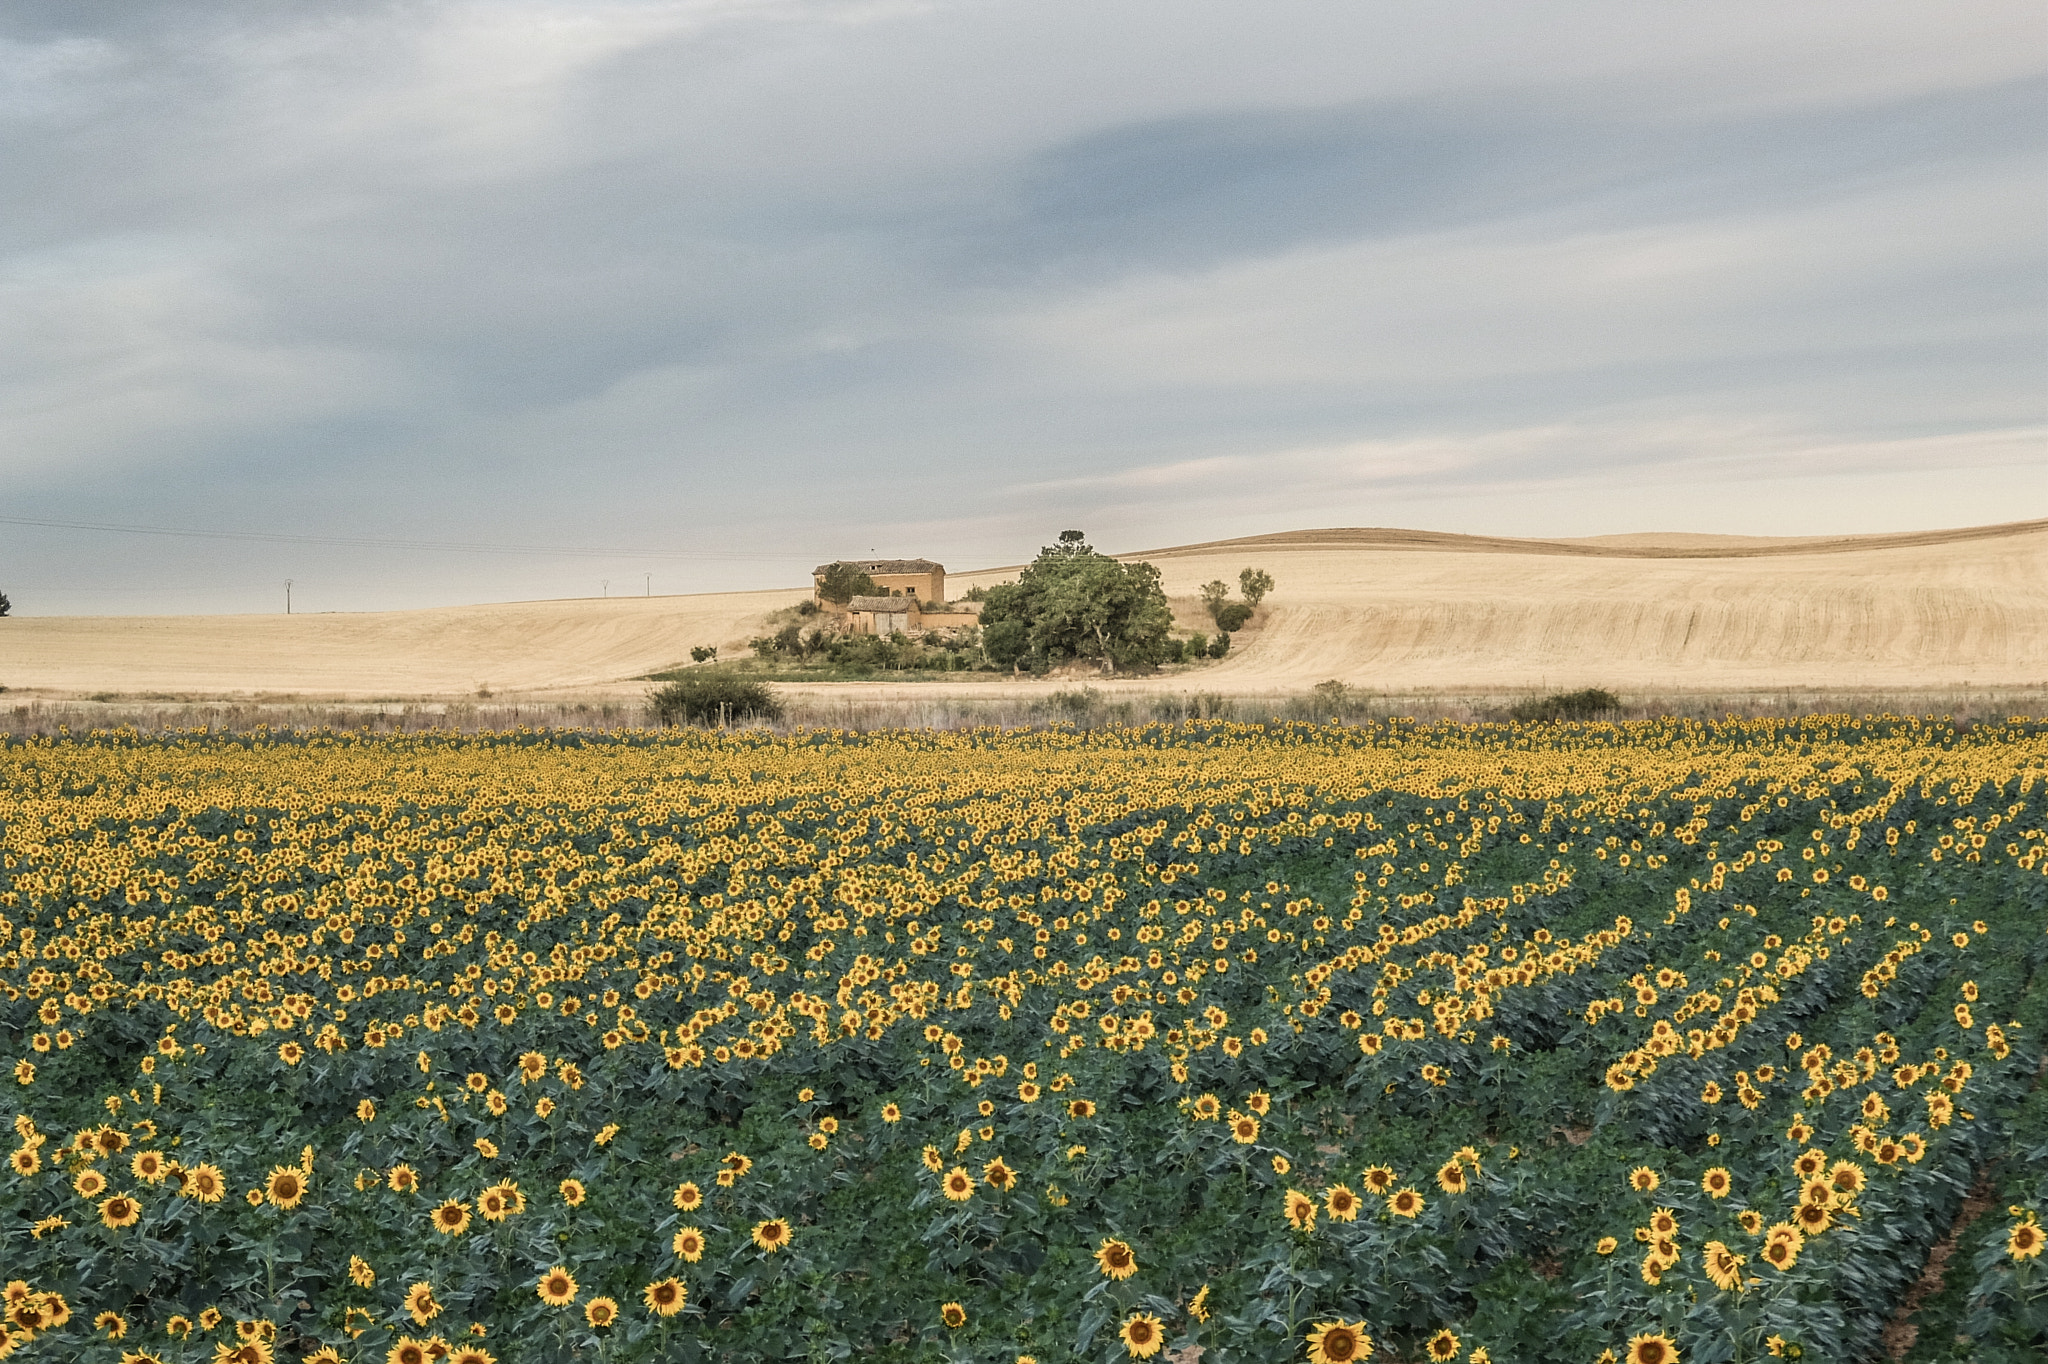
[{"x": 746, "y": 270}]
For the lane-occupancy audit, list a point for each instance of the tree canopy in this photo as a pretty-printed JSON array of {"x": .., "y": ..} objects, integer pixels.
[{"x": 1073, "y": 603}]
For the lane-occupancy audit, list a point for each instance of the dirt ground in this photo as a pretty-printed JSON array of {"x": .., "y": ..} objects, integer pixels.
[{"x": 1390, "y": 611}]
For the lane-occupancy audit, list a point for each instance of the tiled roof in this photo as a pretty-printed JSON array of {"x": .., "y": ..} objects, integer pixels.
[{"x": 887, "y": 566}]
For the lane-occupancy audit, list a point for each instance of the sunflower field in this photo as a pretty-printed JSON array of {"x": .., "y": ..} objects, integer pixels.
[{"x": 1211, "y": 1042}]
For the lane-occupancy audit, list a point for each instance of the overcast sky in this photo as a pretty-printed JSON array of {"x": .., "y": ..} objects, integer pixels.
[{"x": 722, "y": 288}]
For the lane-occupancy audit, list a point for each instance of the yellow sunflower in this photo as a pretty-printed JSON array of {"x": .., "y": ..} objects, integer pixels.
[
  {"x": 1301, "y": 1210},
  {"x": 689, "y": 1244},
  {"x": 419, "y": 1302},
  {"x": 771, "y": 1235},
  {"x": 120, "y": 1211},
  {"x": 1657, "y": 1349},
  {"x": 665, "y": 1297},
  {"x": 1144, "y": 1335},
  {"x": 1338, "y": 1342},
  {"x": 954, "y": 1315},
  {"x": 1643, "y": 1179},
  {"x": 557, "y": 1287},
  {"x": 1341, "y": 1203},
  {"x": 601, "y": 1312},
  {"x": 688, "y": 1196},
  {"x": 1724, "y": 1267},
  {"x": 1116, "y": 1259},
  {"x": 1404, "y": 1203},
  {"x": 451, "y": 1218},
  {"x": 958, "y": 1184},
  {"x": 2024, "y": 1241}
]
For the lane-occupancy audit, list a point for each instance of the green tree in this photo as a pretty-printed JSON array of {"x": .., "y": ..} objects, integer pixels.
[
  {"x": 1074, "y": 603},
  {"x": 842, "y": 582},
  {"x": 1215, "y": 593},
  {"x": 5, "y": 605},
  {"x": 1255, "y": 583}
]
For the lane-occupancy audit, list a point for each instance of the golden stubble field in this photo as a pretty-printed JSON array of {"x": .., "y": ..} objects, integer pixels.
[{"x": 1398, "y": 611}]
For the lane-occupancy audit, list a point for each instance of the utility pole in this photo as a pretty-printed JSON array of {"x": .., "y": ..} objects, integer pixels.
[
  {"x": 650, "y": 583},
  {"x": 607, "y": 587},
  {"x": 287, "y": 596}
]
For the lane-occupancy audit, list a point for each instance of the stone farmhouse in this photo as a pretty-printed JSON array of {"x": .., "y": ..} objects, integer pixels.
[{"x": 916, "y": 600}]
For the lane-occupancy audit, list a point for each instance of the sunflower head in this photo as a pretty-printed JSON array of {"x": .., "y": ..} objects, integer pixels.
[
  {"x": 1338, "y": 1342},
  {"x": 953, "y": 1315},
  {"x": 2024, "y": 1241},
  {"x": 557, "y": 1287},
  {"x": 1442, "y": 1345},
  {"x": 771, "y": 1235},
  {"x": 1116, "y": 1259},
  {"x": 1143, "y": 1335},
  {"x": 1657, "y": 1349},
  {"x": 665, "y": 1297}
]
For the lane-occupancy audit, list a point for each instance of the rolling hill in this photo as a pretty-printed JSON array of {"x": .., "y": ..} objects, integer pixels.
[{"x": 1385, "y": 609}]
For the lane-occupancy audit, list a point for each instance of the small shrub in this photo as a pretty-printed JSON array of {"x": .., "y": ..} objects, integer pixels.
[
  {"x": 1079, "y": 704},
  {"x": 703, "y": 653},
  {"x": 713, "y": 697},
  {"x": 1332, "y": 697},
  {"x": 1231, "y": 616},
  {"x": 5, "y": 605},
  {"x": 1588, "y": 704},
  {"x": 1219, "y": 646}
]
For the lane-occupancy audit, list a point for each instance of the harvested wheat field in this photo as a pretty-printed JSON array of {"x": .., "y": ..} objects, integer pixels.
[{"x": 1389, "y": 610}]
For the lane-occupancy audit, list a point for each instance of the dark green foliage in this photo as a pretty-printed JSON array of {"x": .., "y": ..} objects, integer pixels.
[
  {"x": 1254, "y": 583},
  {"x": 842, "y": 582},
  {"x": 5, "y": 605},
  {"x": 704, "y": 653},
  {"x": 713, "y": 696},
  {"x": 1073, "y": 603},
  {"x": 1220, "y": 645},
  {"x": 1589, "y": 704},
  {"x": 1231, "y": 618}
]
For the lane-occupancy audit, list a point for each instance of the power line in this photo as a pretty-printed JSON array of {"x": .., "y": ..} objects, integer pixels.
[{"x": 369, "y": 542}]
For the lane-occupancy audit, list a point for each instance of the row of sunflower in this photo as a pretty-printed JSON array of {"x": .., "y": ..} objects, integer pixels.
[{"x": 1334, "y": 1040}]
